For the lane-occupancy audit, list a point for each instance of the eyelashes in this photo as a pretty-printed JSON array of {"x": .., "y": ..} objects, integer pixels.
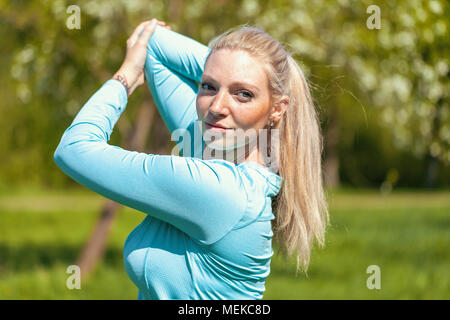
[
  {"x": 247, "y": 94},
  {"x": 202, "y": 86}
]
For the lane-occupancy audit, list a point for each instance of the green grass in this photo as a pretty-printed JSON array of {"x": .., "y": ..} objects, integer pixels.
[{"x": 406, "y": 234}]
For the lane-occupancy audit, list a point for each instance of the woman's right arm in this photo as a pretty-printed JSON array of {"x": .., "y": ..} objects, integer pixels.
[
  {"x": 204, "y": 199},
  {"x": 173, "y": 66}
]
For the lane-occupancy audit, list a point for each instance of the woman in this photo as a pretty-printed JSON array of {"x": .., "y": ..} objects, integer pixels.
[{"x": 207, "y": 233}]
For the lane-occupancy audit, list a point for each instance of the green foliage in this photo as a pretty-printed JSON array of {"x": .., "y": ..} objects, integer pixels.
[
  {"x": 411, "y": 83},
  {"x": 388, "y": 88}
]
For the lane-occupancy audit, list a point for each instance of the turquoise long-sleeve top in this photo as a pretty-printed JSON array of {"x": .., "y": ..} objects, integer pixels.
[{"x": 207, "y": 232}]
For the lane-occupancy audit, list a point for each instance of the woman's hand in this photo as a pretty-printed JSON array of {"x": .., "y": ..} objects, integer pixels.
[{"x": 131, "y": 73}]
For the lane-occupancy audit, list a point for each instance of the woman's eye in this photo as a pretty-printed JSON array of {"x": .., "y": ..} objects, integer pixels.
[
  {"x": 206, "y": 86},
  {"x": 246, "y": 94}
]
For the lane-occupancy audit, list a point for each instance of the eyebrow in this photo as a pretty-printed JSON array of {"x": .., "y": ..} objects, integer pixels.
[{"x": 209, "y": 78}]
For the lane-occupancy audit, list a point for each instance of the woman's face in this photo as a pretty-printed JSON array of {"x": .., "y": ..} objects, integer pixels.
[{"x": 234, "y": 94}]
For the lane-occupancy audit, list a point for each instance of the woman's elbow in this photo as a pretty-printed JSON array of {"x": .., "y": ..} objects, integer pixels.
[
  {"x": 65, "y": 153},
  {"x": 60, "y": 154}
]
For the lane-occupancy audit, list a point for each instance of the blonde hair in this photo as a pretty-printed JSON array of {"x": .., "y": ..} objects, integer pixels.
[{"x": 300, "y": 207}]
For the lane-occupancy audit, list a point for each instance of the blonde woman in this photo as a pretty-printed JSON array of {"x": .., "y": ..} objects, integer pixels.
[{"x": 208, "y": 230}]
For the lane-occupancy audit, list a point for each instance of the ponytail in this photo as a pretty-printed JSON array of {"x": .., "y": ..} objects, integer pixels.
[{"x": 301, "y": 207}]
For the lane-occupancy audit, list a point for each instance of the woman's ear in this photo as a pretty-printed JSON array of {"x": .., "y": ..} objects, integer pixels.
[{"x": 279, "y": 108}]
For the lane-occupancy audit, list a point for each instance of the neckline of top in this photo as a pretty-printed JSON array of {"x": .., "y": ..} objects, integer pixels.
[{"x": 273, "y": 178}]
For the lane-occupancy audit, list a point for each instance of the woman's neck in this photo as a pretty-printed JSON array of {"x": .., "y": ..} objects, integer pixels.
[{"x": 234, "y": 155}]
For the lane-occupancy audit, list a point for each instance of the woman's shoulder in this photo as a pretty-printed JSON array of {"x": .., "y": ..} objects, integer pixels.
[
  {"x": 261, "y": 176},
  {"x": 239, "y": 194},
  {"x": 256, "y": 179}
]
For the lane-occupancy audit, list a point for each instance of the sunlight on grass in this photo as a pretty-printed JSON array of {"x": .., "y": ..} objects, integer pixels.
[{"x": 406, "y": 234}]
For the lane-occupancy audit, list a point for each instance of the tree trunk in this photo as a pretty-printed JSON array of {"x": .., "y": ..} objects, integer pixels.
[
  {"x": 160, "y": 137},
  {"x": 431, "y": 160},
  {"x": 331, "y": 161},
  {"x": 175, "y": 10},
  {"x": 432, "y": 171},
  {"x": 133, "y": 140}
]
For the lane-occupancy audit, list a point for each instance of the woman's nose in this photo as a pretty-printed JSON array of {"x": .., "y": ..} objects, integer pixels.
[{"x": 219, "y": 104}]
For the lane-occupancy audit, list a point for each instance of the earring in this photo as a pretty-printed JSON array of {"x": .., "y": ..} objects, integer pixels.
[{"x": 271, "y": 123}]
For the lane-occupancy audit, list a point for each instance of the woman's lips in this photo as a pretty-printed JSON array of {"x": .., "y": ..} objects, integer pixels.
[{"x": 215, "y": 128}]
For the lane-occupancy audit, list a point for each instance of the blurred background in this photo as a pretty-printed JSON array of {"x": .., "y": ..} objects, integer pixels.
[{"x": 383, "y": 101}]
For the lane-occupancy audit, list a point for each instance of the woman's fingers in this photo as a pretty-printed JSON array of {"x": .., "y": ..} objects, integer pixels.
[
  {"x": 146, "y": 34},
  {"x": 140, "y": 28},
  {"x": 133, "y": 66},
  {"x": 135, "y": 35}
]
